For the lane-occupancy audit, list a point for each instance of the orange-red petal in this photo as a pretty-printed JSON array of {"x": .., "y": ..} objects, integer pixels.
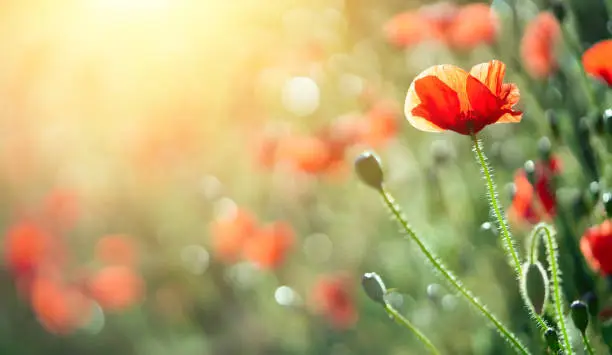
[{"x": 596, "y": 60}]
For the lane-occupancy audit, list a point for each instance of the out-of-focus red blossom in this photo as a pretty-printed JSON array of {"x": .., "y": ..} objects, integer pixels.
[
  {"x": 534, "y": 203},
  {"x": 596, "y": 246},
  {"x": 474, "y": 24},
  {"x": 381, "y": 124},
  {"x": 333, "y": 298},
  {"x": 61, "y": 208},
  {"x": 446, "y": 97},
  {"x": 462, "y": 27},
  {"x": 309, "y": 154},
  {"x": 59, "y": 308},
  {"x": 596, "y": 60},
  {"x": 27, "y": 247},
  {"x": 538, "y": 45},
  {"x": 117, "y": 250},
  {"x": 229, "y": 235},
  {"x": 268, "y": 248},
  {"x": 116, "y": 287}
]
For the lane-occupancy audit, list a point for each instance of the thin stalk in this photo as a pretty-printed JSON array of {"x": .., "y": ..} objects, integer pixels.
[
  {"x": 448, "y": 275},
  {"x": 587, "y": 345},
  {"x": 496, "y": 209},
  {"x": 555, "y": 273},
  {"x": 408, "y": 325}
]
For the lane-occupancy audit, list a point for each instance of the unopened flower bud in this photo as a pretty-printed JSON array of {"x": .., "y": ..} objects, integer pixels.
[
  {"x": 558, "y": 9},
  {"x": 545, "y": 148},
  {"x": 530, "y": 170},
  {"x": 553, "y": 123},
  {"x": 607, "y": 120},
  {"x": 607, "y": 202},
  {"x": 580, "y": 315},
  {"x": 552, "y": 341},
  {"x": 374, "y": 287},
  {"x": 368, "y": 168}
]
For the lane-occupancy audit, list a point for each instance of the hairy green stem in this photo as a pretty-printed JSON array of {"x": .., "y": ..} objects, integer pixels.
[
  {"x": 496, "y": 209},
  {"x": 555, "y": 274},
  {"x": 408, "y": 325},
  {"x": 448, "y": 275},
  {"x": 587, "y": 345}
]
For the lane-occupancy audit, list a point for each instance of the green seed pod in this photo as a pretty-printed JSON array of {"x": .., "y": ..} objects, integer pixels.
[
  {"x": 580, "y": 315},
  {"x": 369, "y": 170},
  {"x": 374, "y": 287}
]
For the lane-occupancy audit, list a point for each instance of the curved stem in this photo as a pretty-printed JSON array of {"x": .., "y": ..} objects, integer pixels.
[
  {"x": 551, "y": 251},
  {"x": 496, "y": 210},
  {"x": 587, "y": 345},
  {"x": 448, "y": 275},
  {"x": 408, "y": 325},
  {"x": 525, "y": 296}
]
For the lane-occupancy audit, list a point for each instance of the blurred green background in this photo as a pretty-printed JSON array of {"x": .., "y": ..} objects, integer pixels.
[{"x": 159, "y": 121}]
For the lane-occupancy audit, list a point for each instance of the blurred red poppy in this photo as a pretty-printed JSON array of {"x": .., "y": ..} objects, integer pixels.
[
  {"x": 332, "y": 297},
  {"x": 462, "y": 27},
  {"x": 474, "y": 24},
  {"x": 596, "y": 61},
  {"x": 446, "y": 97},
  {"x": 381, "y": 124},
  {"x": 538, "y": 44},
  {"x": 534, "y": 203},
  {"x": 27, "y": 247},
  {"x": 269, "y": 247},
  {"x": 229, "y": 235},
  {"x": 596, "y": 246},
  {"x": 116, "y": 287},
  {"x": 308, "y": 154},
  {"x": 60, "y": 308},
  {"x": 117, "y": 250},
  {"x": 61, "y": 208}
]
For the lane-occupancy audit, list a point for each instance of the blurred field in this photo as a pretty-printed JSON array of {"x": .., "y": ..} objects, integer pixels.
[{"x": 177, "y": 178}]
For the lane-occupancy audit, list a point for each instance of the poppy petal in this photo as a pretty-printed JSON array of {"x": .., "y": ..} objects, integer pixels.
[
  {"x": 485, "y": 104},
  {"x": 596, "y": 60},
  {"x": 491, "y": 74}
]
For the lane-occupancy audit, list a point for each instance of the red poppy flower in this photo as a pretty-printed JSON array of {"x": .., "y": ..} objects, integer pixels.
[
  {"x": 534, "y": 203},
  {"x": 474, "y": 24},
  {"x": 381, "y": 124},
  {"x": 117, "y": 250},
  {"x": 269, "y": 247},
  {"x": 446, "y": 97},
  {"x": 116, "y": 287},
  {"x": 308, "y": 154},
  {"x": 60, "y": 308},
  {"x": 27, "y": 247},
  {"x": 333, "y": 298},
  {"x": 61, "y": 208},
  {"x": 538, "y": 45},
  {"x": 230, "y": 234},
  {"x": 596, "y": 246},
  {"x": 596, "y": 60},
  {"x": 410, "y": 28}
]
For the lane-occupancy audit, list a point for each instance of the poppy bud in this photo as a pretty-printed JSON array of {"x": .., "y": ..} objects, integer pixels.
[
  {"x": 374, "y": 287},
  {"x": 594, "y": 190},
  {"x": 545, "y": 148},
  {"x": 552, "y": 341},
  {"x": 530, "y": 170},
  {"x": 553, "y": 123},
  {"x": 558, "y": 9},
  {"x": 580, "y": 315},
  {"x": 607, "y": 201},
  {"x": 367, "y": 166},
  {"x": 607, "y": 120}
]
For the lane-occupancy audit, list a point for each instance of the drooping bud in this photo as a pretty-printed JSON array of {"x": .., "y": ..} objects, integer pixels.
[
  {"x": 374, "y": 287},
  {"x": 530, "y": 170},
  {"x": 553, "y": 123},
  {"x": 580, "y": 315},
  {"x": 558, "y": 9},
  {"x": 552, "y": 341},
  {"x": 545, "y": 148},
  {"x": 369, "y": 170},
  {"x": 607, "y": 202}
]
